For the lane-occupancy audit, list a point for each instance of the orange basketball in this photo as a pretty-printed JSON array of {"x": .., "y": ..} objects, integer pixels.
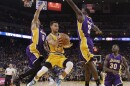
[{"x": 65, "y": 39}]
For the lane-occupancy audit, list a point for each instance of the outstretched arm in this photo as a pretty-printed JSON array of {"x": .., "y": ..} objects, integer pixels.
[
  {"x": 80, "y": 16},
  {"x": 36, "y": 15},
  {"x": 126, "y": 66},
  {"x": 97, "y": 30}
]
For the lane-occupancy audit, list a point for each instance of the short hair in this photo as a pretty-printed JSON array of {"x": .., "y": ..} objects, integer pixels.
[
  {"x": 52, "y": 22},
  {"x": 86, "y": 9}
]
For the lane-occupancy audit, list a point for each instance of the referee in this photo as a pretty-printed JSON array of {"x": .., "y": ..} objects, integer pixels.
[{"x": 9, "y": 72}]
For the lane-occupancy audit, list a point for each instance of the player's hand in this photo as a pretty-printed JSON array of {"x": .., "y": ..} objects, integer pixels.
[
  {"x": 98, "y": 32},
  {"x": 60, "y": 43},
  {"x": 115, "y": 72},
  {"x": 69, "y": 45}
]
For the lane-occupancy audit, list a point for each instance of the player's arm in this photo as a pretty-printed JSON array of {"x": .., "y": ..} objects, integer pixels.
[
  {"x": 36, "y": 15},
  {"x": 126, "y": 66},
  {"x": 80, "y": 16},
  {"x": 106, "y": 69},
  {"x": 46, "y": 46},
  {"x": 96, "y": 29},
  {"x": 51, "y": 41}
]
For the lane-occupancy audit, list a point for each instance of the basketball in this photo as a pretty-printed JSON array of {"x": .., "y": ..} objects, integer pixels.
[{"x": 65, "y": 39}]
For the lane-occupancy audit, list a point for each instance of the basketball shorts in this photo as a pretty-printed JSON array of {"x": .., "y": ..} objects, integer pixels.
[
  {"x": 56, "y": 60},
  {"x": 86, "y": 49},
  {"x": 111, "y": 80},
  {"x": 32, "y": 56}
]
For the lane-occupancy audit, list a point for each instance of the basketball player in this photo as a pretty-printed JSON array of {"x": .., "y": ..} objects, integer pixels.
[
  {"x": 85, "y": 24},
  {"x": 56, "y": 57},
  {"x": 35, "y": 50},
  {"x": 112, "y": 67}
]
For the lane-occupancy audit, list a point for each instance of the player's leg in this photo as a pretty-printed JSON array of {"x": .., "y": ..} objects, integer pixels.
[
  {"x": 117, "y": 81},
  {"x": 108, "y": 81},
  {"x": 87, "y": 52},
  {"x": 93, "y": 69},
  {"x": 68, "y": 65},
  {"x": 41, "y": 72},
  {"x": 90, "y": 66},
  {"x": 55, "y": 72},
  {"x": 34, "y": 69},
  {"x": 35, "y": 61},
  {"x": 32, "y": 76},
  {"x": 87, "y": 75},
  {"x": 63, "y": 63}
]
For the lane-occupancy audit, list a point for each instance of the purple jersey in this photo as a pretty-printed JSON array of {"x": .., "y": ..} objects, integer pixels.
[
  {"x": 37, "y": 41},
  {"x": 86, "y": 43},
  {"x": 114, "y": 63},
  {"x": 87, "y": 25},
  {"x": 36, "y": 48}
]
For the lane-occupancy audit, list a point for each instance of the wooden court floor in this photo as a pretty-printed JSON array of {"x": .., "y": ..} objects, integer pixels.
[{"x": 71, "y": 83}]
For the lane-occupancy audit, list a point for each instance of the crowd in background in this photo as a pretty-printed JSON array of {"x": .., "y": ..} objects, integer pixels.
[
  {"x": 12, "y": 20},
  {"x": 13, "y": 51}
]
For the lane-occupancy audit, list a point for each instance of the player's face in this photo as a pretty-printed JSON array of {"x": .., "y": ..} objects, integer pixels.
[
  {"x": 83, "y": 11},
  {"x": 55, "y": 27},
  {"x": 115, "y": 48},
  {"x": 10, "y": 65}
]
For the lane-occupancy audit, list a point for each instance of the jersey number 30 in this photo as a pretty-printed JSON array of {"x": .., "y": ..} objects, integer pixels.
[{"x": 113, "y": 66}]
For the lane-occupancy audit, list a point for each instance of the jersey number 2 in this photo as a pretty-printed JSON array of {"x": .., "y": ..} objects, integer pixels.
[{"x": 89, "y": 27}]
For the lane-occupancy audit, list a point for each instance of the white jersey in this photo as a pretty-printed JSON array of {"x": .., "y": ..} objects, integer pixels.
[{"x": 9, "y": 71}]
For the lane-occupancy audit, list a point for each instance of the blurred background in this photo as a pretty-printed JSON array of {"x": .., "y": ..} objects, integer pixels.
[{"x": 111, "y": 16}]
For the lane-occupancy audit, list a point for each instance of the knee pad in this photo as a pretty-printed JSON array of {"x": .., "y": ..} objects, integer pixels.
[
  {"x": 43, "y": 70},
  {"x": 69, "y": 64}
]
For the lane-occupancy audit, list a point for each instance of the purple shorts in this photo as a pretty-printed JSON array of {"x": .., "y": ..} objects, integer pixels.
[
  {"x": 31, "y": 57},
  {"x": 113, "y": 80},
  {"x": 90, "y": 48}
]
